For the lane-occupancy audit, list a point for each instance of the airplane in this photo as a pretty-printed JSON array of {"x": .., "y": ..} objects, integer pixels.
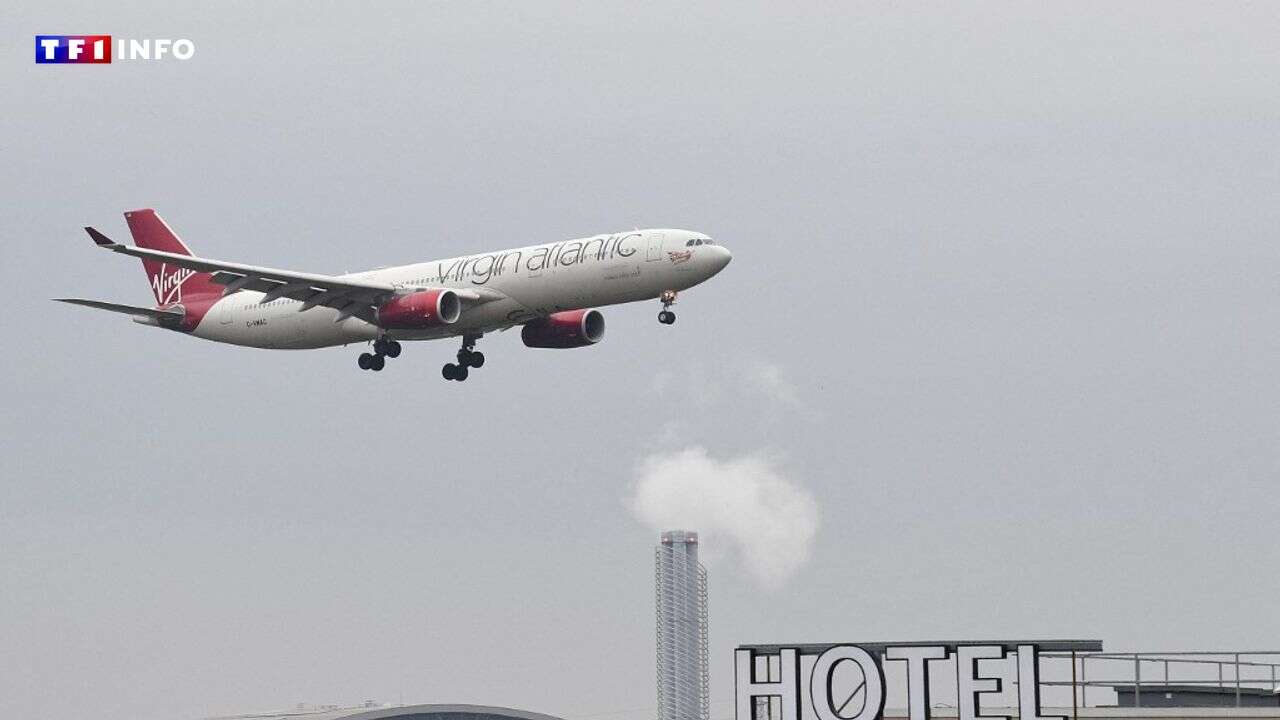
[{"x": 550, "y": 291}]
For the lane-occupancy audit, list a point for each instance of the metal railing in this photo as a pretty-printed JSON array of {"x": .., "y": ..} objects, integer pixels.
[{"x": 1238, "y": 674}]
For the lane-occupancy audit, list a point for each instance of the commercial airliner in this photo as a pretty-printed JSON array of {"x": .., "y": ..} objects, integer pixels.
[{"x": 548, "y": 290}]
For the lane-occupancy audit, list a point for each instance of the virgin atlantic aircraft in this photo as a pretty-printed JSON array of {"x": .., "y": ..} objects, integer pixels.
[{"x": 548, "y": 290}]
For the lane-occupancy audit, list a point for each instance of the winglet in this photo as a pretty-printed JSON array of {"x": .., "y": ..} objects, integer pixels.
[{"x": 99, "y": 238}]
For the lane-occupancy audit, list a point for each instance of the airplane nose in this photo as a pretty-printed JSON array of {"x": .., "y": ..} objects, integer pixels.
[{"x": 723, "y": 256}]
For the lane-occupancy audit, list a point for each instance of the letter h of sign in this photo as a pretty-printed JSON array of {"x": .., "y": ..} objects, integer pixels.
[{"x": 748, "y": 688}]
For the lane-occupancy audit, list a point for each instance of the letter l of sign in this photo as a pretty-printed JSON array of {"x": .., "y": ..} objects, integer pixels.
[{"x": 1029, "y": 685}]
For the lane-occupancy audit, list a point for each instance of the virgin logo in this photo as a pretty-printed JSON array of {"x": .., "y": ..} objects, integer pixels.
[{"x": 168, "y": 285}]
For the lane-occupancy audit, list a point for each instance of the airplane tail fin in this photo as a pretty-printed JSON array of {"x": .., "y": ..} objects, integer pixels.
[{"x": 169, "y": 284}]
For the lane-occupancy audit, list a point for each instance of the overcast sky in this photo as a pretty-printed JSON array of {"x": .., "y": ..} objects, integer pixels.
[{"x": 1001, "y": 333}]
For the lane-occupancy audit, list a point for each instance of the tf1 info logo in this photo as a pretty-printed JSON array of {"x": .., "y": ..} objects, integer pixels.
[{"x": 100, "y": 49}]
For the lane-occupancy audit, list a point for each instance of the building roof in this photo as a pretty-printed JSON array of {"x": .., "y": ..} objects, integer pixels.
[{"x": 399, "y": 712}]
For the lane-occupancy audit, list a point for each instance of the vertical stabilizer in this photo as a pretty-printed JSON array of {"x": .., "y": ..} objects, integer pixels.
[{"x": 169, "y": 284}]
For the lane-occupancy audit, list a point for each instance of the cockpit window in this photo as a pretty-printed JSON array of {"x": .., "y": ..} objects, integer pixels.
[{"x": 689, "y": 244}]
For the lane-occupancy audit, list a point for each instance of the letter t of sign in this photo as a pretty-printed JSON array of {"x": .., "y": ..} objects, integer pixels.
[
  {"x": 748, "y": 688},
  {"x": 917, "y": 658}
]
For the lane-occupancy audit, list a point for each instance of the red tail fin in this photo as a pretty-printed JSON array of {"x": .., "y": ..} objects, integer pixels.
[{"x": 169, "y": 284}]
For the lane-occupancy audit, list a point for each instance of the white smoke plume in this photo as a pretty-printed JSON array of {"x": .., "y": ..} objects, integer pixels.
[{"x": 743, "y": 507}]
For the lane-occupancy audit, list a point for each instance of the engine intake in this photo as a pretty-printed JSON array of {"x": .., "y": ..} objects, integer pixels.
[
  {"x": 420, "y": 310},
  {"x": 569, "y": 329}
]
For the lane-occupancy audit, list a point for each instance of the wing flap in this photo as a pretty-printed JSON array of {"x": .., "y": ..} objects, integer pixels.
[{"x": 308, "y": 293}]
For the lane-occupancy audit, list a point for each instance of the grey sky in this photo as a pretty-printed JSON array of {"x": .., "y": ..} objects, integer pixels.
[{"x": 1005, "y": 301}]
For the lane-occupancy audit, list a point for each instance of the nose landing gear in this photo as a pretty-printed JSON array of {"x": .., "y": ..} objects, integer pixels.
[
  {"x": 468, "y": 357},
  {"x": 383, "y": 348},
  {"x": 668, "y": 298}
]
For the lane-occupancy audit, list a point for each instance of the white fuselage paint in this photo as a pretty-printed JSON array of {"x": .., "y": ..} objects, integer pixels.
[{"x": 533, "y": 282}]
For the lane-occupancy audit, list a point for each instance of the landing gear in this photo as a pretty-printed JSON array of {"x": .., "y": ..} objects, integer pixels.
[
  {"x": 383, "y": 348},
  {"x": 468, "y": 357},
  {"x": 368, "y": 361},
  {"x": 390, "y": 348},
  {"x": 668, "y": 298}
]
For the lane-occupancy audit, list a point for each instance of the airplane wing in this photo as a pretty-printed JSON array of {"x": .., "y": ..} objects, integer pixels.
[{"x": 350, "y": 297}]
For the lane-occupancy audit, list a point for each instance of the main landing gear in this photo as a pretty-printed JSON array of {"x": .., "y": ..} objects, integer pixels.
[
  {"x": 382, "y": 349},
  {"x": 468, "y": 357},
  {"x": 668, "y": 298}
]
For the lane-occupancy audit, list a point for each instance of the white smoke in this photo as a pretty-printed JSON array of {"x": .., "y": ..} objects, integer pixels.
[{"x": 740, "y": 506}]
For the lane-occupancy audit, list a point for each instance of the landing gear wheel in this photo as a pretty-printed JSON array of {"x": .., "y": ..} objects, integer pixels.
[
  {"x": 365, "y": 361},
  {"x": 471, "y": 359},
  {"x": 377, "y": 363},
  {"x": 461, "y": 373},
  {"x": 448, "y": 371},
  {"x": 383, "y": 346},
  {"x": 668, "y": 298}
]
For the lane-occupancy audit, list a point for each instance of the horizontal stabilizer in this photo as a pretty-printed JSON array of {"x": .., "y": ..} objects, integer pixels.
[
  {"x": 98, "y": 238},
  {"x": 159, "y": 316}
]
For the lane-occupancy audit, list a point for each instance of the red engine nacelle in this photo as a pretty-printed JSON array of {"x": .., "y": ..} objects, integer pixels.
[
  {"x": 570, "y": 329},
  {"x": 421, "y": 310}
]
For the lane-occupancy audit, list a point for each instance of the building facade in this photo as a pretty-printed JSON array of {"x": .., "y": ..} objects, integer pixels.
[{"x": 681, "y": 599}]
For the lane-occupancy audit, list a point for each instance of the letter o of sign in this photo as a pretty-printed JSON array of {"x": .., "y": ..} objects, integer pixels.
[{"x": 826, "y": 706}]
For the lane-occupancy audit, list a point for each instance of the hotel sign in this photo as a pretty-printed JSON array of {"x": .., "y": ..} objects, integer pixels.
[{"x": 847, "y": 682}]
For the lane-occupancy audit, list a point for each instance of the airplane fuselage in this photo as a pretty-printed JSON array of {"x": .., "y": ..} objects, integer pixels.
[{"x": 518, "y": 285}]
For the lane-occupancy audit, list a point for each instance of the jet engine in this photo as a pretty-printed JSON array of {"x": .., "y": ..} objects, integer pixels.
[
  {"x": 569, "y": 329},
  {"x": 420, "y": 310}
]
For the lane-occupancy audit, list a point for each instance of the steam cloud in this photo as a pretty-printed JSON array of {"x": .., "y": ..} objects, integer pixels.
[{"x": 743, "y": 505}]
